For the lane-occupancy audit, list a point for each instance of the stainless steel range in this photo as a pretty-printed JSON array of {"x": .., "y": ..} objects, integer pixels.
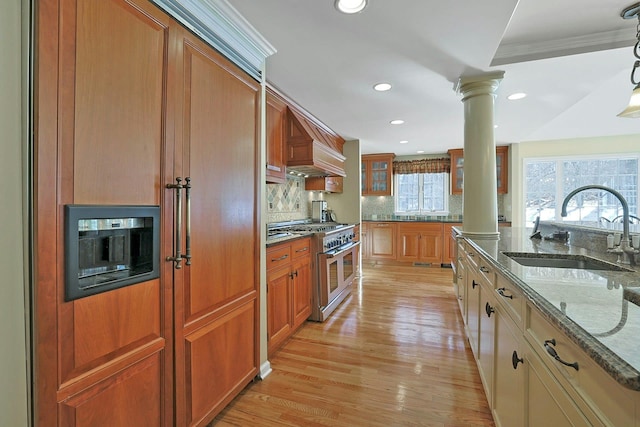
[{"x": 333, "y": 265}]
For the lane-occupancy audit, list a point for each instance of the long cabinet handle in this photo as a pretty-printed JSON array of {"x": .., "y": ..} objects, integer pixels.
[
  {"x": 484, "y": 269},
  {"x": 553, "y": 353},
  {"x": 187, "y": 191},
  {"x": 177, "y": 258},
  {"x": 285, "y": 256},
  {"x": 306, "y": 248}
]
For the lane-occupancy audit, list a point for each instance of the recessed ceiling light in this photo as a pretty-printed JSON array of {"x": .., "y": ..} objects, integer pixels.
[
  {"x": 495, "y": 126},
  {"x": 420, "y": 151},
  {"x": 350, "y": 6},
  {"x": 396, "y": 122},
  {"x": 382, "y": 87},
  {"x": 517, "y": 95},
  {"x": 404, "y": 142}
]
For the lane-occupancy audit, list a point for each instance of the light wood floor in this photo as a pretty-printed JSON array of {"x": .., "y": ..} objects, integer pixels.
[{"x": 393, "y": 354}]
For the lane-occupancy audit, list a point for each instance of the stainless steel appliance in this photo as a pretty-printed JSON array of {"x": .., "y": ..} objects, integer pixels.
[
  {"x": 319, "y": 211},
  {"x": 333, "y": 265},
  {"x": 108, "y": 247}
]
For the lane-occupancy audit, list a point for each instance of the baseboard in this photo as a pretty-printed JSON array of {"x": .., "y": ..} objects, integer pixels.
[{"x": 265, "y": 370}]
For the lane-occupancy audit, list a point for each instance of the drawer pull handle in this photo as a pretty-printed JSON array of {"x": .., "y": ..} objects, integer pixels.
[
  {"x": 471, "y": 254},
  {"x": 515, "y": 359},
  {"x": 502, "y": 294},
  {"x": 473, "y": 284},
  {"x": 553, "y": 353},
  {"x": 306, "y": 248},
  {"x": 489, "y": 309},
  {"x": 285, "y": 256},
  {"x": 484, "y": 269}
]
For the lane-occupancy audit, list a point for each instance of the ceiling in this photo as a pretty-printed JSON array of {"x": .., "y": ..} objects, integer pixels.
[{"x": 572, "y": 58}]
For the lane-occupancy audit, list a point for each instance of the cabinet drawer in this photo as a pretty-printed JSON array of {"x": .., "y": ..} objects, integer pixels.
[
  {"x": 278, "y": 255},
  {"x": 511, "y": 298},
  {"x": 601, "y": 398},
  {"x": 300, "y": 248}
]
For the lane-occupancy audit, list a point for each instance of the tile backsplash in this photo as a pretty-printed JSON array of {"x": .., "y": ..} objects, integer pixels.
[{"x": 287, "y": 201}]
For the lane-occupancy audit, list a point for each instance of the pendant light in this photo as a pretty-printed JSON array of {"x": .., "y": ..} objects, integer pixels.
[{"x": 633, "y": 109}]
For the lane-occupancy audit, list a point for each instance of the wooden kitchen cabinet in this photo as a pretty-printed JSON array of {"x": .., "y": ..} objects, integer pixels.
[
  {"x": 377, "y": 174},
  {"x": 382, "y": 240},
  {"x": 328, "y": 184},
  {"x": 502, "y": 169},
  {"x": 288, "y": 290},
  {"x": 139, "y": 102},
  {"x": 276, "y": 110},
  {"x": 420, "y": 242},
  {"x": 449, "y": 243}
]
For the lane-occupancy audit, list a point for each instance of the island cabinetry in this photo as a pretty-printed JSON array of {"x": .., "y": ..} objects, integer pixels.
[
  {"x": 599, "y": 398},
  {"x": 288, "y": 290},
  {"x": 502, "y": 172},
  {"x": 382, "y": 240},
  {"x": 420, "y": 242},
  {"x": 377, "y": 174},
  {"x": 515, "y": 347},
  {"x": 275, "y": 126}
]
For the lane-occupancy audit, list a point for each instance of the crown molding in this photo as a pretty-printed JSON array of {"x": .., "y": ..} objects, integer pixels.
[
  {"x": 510, "y": 53},
  {"x": 223, "y": 27}
]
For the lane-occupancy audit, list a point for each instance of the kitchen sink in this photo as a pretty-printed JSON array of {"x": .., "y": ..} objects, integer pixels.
[{"x": 581, "y": 262}]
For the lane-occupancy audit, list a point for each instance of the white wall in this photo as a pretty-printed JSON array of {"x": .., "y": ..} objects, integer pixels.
[
  {"x": 558, "y": 148},
  {"x": 347, "y": 204},
  {"x": 13, "y": 351}
]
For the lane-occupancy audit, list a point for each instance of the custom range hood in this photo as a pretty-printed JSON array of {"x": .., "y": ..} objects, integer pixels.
[{"x": 312, "y": 149}]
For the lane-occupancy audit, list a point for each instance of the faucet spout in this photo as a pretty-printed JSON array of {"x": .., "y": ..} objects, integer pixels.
[{"x": 624, "y": 243}]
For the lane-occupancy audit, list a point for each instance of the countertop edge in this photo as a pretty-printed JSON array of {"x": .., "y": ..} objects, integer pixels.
[{"x": 614, "y": 365}]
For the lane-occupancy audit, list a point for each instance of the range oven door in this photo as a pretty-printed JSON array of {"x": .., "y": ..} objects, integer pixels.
[{"x": 337, "y": 271}]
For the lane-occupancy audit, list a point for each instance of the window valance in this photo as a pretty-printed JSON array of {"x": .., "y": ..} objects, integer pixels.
[{"x": 440, "y": 165}]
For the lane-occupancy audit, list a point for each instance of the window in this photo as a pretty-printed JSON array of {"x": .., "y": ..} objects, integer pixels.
[
  {"x": 422, "y": 194},
  {"x": 548, "y": 181}
]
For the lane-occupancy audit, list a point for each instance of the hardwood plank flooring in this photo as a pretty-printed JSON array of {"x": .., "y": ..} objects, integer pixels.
[{"x": 394, "y": 353}]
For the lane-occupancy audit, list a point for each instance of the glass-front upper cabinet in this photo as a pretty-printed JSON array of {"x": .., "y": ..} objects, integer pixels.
[
  {"x": 377, "y": 174},
  {"x": 457, "y": 167}
]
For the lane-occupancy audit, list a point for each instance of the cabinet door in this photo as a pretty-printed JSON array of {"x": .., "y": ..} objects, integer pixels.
[
  {"x": 278, "y": 306},
  {"x": 431, "y": 244},
  {"x": 486, "y": 338},
  {"x": 377, "y": 171},
  {"x": 508, "y": 393},
  {"x": 457, "y": 170},
  {"x": 449, "y": 243},
  {"x": 473, "y": 309},
  {"x": 103, "y": 359},
  {"x": 301, "y": 291},
  {"x": 502, "y": 169},
  {"x": 275, "y": 123},
  {"x": 547, "y": 403},
  {"x": 216, "y": 306},
  {"x": 408, "y": 244},
  {"x": 382, "y": 240}
]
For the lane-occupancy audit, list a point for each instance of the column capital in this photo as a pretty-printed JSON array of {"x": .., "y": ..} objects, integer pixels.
[{"x": 482, "y": 84}]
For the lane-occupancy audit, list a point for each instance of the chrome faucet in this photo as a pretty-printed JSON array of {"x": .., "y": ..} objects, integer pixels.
[{"x": 626, "y": 249}]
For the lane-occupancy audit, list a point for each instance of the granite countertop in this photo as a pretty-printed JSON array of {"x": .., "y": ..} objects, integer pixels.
[
  {"x": 412, "y": 218},
  {"x": 598, "y": 310},
  {"x": 293, "y": 236}
]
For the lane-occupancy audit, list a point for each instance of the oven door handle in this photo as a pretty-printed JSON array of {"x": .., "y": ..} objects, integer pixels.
[{"x": 339, "y": 250}]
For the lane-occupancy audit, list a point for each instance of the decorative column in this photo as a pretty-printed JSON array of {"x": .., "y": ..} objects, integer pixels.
[{"x": 480, "y": 195}]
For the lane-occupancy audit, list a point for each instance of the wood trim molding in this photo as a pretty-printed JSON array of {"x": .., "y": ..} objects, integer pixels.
[{"x": 222, "y": 26}]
